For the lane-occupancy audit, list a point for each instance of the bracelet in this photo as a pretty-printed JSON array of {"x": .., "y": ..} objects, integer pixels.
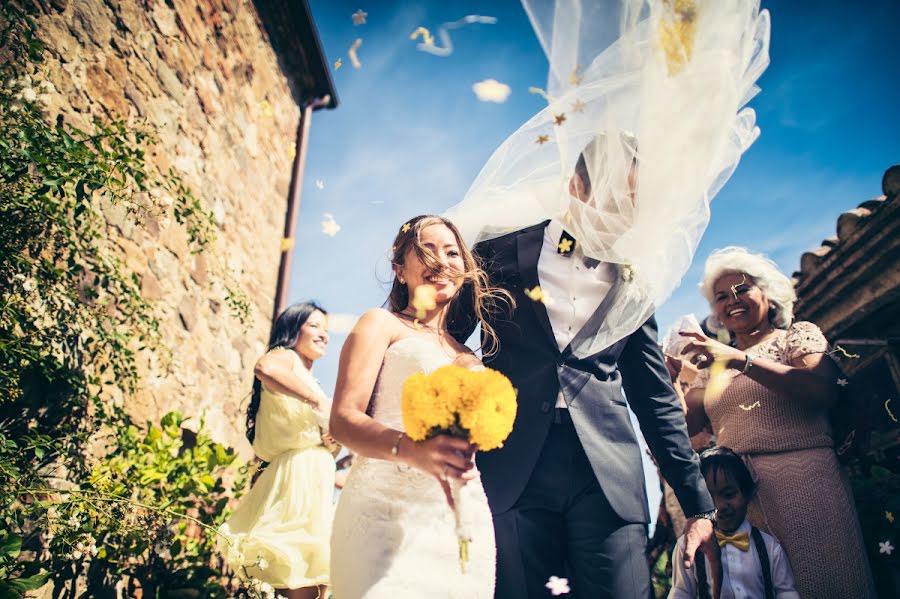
[
  {"x": 395, "y": 450},
  {"x": 748, "y": 364}
]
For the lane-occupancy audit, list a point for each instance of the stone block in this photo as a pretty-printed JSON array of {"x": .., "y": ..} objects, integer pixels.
[
  {"x": 95, "y": 21},
  {"x": 170, "y": 82},
  {"x": 107, "y": 92},
  {"x": 150, "y": 287}
]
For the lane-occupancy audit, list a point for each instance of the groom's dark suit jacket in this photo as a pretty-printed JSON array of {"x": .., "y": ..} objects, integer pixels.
[{"x": 592, "y": 386}]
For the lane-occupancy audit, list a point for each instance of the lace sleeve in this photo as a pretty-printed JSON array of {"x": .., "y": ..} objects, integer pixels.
[{"x": 803, "y": 338}]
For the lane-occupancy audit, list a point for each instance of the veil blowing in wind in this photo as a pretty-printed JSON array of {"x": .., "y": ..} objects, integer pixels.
[{"x": 652, "y": 95}]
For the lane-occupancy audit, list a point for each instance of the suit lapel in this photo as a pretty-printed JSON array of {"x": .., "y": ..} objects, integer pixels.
[
  {"x": 528, "y": 251},
  {"x": 582, "y": 340}
]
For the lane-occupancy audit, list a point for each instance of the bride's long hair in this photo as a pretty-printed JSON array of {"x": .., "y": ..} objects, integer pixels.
[{"x": 476, "y": 299}]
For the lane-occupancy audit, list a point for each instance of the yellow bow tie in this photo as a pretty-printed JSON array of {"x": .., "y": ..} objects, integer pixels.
[{"x": 740, "y": 540}]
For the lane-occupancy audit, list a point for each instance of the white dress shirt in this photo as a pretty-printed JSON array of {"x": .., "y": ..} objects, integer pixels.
[
  {"x": 741, "y": 571},
  {"x": 575, "y": 290}
]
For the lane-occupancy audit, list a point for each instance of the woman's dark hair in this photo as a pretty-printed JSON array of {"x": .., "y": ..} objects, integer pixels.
[
  {"x": 716, "y": 459},
  {"x": 285, "y": 332}
]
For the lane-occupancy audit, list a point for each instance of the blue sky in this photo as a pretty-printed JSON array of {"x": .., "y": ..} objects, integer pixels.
[{"x": 410, "y": 136}]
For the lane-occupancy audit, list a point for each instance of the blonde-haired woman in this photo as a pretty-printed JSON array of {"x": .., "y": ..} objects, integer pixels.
[{"x": 771, "y": 405}]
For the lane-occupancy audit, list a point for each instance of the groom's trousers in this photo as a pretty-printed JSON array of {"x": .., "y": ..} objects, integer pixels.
[{"x": 563, "y": 525}]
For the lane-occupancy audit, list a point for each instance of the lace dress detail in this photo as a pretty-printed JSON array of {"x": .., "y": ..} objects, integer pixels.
[
  {"x": 394, "y": 534},
  {"x": 787, "y": 445}
]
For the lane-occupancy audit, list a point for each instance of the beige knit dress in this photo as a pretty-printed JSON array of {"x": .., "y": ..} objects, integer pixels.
[{"x": 803, "y": 497}]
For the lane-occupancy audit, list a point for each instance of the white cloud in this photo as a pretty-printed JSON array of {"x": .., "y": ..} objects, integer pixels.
[
  {"x": 491, "y": 90},
  {"x": 340, "y": 323}
]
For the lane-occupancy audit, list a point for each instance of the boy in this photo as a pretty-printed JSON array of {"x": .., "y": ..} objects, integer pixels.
[{"x": 753, "y": 562}]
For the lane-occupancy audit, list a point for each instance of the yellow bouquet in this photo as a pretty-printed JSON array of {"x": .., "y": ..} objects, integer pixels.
[{"x": 476, "y": 405}]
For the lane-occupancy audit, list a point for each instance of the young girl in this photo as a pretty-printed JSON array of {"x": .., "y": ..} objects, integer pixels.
[
  {"x": 753, "y": 562},
  {"x": 280, "y": 531}
]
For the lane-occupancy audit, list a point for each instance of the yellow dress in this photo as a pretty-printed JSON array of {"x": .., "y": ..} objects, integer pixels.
[{"x": 280, "y": 531}]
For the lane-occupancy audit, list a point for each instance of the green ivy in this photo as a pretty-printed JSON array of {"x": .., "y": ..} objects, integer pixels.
[{"x": 85, "y": 493}]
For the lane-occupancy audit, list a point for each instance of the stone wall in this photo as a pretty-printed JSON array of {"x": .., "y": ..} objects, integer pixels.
[{"x": 203, "y": 75}]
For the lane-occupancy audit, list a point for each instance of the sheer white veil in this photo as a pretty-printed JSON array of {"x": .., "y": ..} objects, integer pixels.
[{"x": 648, "y": 90}]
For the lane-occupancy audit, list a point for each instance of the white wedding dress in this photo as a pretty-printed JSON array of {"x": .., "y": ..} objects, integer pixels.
[{"x": 394, "y": 534}]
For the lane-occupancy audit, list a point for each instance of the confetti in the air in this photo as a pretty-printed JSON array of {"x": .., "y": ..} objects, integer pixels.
[
  {"x": 287, "y": 243},
  {"x": 755, "y": 404},
  {"x": 558, "y": 586},
  {"x": 559, "y": 119},
  {"x": 320, "y": 184},
  {"x": 540, "y": 92},
  {"x": 578, "y": 106},
  {"x": 889, "y": 516},
  {"x": 719, "y": 380},
  {"x": 542, "y": 139},
  {"x": 424, "y": 34},
  {"x": 292, "y": 151},
  {"x": 537, "y": 294},
  {"x": 491, "y": 90},
  {"x": 887, "y": 408},
  {"x": 446, "y": 49},
  {"x": 337, "y": 64},
  {"x": 885, "y": 547},
  {"x": 848, "y": 442},
  {"x": 574, "y": 77},
  {"x": 842, "y": 382},
  {"x": 844, "y": 352},
  {"x": 424, "y": 299},
  {"x": 359, "y": 17},
  {"x": 329, "y": 225},
  {"x": 354, "y": 60},
  {"x": 266, "y": 109}
]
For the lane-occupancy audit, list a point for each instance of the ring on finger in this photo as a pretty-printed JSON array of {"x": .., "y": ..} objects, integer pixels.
[{"x": 702, "y": 358}]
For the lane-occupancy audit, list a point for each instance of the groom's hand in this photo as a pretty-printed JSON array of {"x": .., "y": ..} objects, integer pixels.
[{"x": 699, "y": 534}]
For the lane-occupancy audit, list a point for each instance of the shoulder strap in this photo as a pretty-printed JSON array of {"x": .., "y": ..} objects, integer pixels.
[
  {"x": 763, "y": 561},
  {"x": 702, "y": 585}
]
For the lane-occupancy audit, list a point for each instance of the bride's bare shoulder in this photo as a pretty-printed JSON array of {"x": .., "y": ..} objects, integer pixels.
[{"x": 468, "y": 360}]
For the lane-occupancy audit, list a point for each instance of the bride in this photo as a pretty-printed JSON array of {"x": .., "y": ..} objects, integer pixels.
[{"x": 394, "y": 530}]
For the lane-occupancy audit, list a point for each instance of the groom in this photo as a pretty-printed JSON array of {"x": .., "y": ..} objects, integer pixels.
[{"x": 567, "y": 488}]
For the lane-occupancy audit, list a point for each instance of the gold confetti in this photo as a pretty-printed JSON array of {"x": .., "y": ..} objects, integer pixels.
[
  {"x": 841, "y": 350},
  {"x": 847, "y": 443},
  {"x": 676, "y": 33},
  {"x": 424, "y": 34},
  {"x": 565, "y": 246},
  {"x": 292, "y": 151},
  {"x": 539, "y": 295},
  {"x": 337, "y": 64},
  {"x": 755, "y": 404},
  {"x": 405, "y": 228},
  {"x": 574, "y": 77},
  {"x": 578, "y": 106},
  {"x": 359, "y": 17},
  {"x": 540, "y": 92},
  {"x": 559, "y": 119},
  {"x": 424, "y": 299},
  {"x": 719, "y": 379},
  {"x": 889, "y": 516},
  {"x": 352, "y": 53},
  {"x": 329, "y": 225},
  {"x": 266, "y": 109},
  {"x": 887, "y": 408},
  {"x": 287, "y": 243},
  {"x": 542, "y": 139}
]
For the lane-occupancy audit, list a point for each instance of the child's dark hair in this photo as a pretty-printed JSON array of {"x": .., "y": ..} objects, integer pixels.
[{"x": 723, "y": 459}]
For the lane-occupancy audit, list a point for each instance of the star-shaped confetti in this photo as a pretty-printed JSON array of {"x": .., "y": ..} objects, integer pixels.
[
  {"x": 559, "y": 119},
  {"x": 842, "y": 382},
  {"x": 889, "y": 516},
  {"x": 329, "y": 225},
  {"x": 424, "y": 300},
  {"x": 424, "y": 34},
  {"x": 286, "y": 243},
  {"x": 405, "y": 228},
  {"x": 359, "y": 17},
  {"x": 354, "y": 60},
  {"x": 558, "y": 586},
  {"x": 337, "y": 64},
  {"x": 542, "y": 139},
  {"x": 565, "y": 246},
  {"x": 574, "y": 77},
  {"x": 320, "y": 184},
  {"x": 578, "y": 106},
  {"x": 885, "y": 547},
  {"x": 539, "y": 295}
]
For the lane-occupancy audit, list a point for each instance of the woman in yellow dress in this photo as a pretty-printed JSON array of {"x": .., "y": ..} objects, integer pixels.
[{"x": 279, "y": 533}]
